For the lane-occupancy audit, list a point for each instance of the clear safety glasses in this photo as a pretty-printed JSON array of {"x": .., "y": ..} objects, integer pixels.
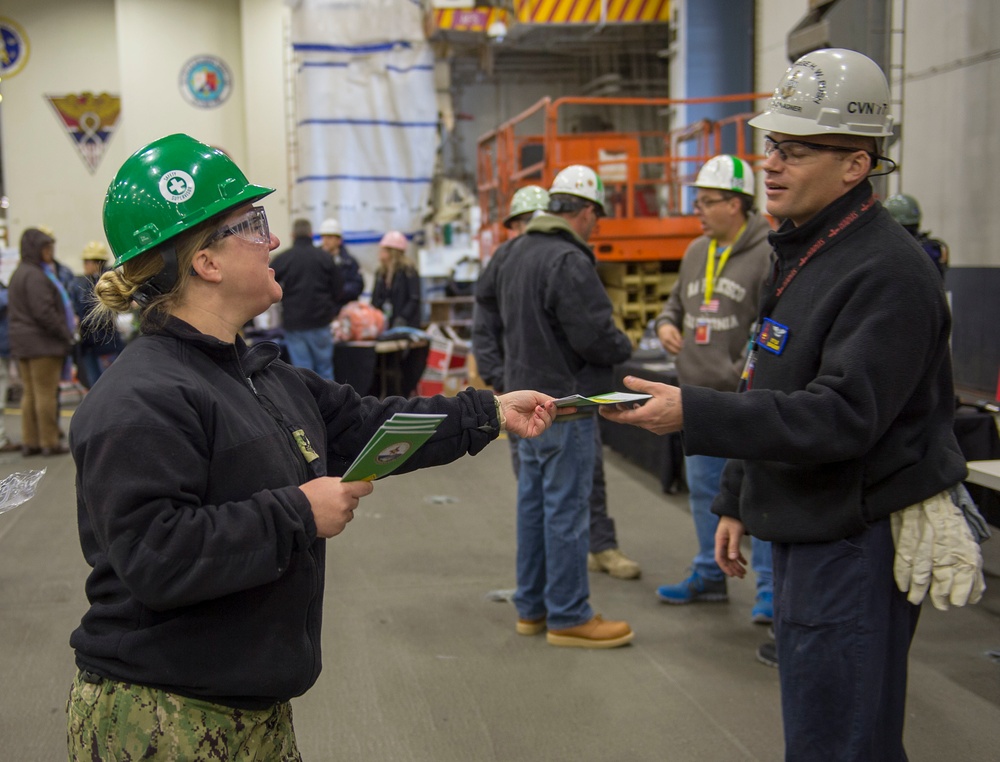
[
  {"x": 251, "y": 227},
  {"x": 702, "y": 204},
  {"x": 797, "y": 151}
]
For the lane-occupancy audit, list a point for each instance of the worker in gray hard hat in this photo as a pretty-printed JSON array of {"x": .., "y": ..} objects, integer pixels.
[
  {"x": 841, "y": 445},
  {"x": 906, "y": 211}
]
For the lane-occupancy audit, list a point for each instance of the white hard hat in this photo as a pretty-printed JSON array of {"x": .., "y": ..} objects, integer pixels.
[
  {"x": 530, "y": 198},
  {"x": 330, "y": 227},
  {"x": 832, "y": 91},
  {"x": 728, "y": 173},
  {"x": 393, "y": 240},
  {"x": 578, "y": 180}
]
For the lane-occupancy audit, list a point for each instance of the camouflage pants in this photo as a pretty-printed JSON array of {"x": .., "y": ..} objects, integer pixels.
[{"x": 121, "y": 722}]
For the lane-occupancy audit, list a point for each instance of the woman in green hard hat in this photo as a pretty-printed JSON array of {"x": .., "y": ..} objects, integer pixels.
[{"x": 208, "y": 477}]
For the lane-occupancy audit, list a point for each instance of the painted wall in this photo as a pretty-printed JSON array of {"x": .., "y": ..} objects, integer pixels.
[
  {"x": 136, "y": 49},
  {"x": 71, "y": 51}
]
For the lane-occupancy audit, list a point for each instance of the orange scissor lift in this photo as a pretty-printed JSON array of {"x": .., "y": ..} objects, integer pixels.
[{"x": 640, "y": 243}]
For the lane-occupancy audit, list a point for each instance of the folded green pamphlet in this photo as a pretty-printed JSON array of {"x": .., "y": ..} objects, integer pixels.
[
  {"x": 611, "y": 398},
  {"x": 392, "y": 445}
]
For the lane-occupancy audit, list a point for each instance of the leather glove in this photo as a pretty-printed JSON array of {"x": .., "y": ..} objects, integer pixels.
[{"x": 936, "y": 552}]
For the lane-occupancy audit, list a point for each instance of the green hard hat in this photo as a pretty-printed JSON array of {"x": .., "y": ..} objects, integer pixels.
[
  {"x": 530, "y": 198},
  {"x": 904, "y": 209},
  {"x": 167, "y": 187}
]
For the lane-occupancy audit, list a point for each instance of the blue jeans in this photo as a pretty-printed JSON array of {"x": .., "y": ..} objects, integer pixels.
[
  {"x": 843, "y": 633},
  {"x": 312, "y": 349},
  {"x": 553, "y": 488},
  {"x": 703, "y": 476},
  {"x": 602, "y": 527}
]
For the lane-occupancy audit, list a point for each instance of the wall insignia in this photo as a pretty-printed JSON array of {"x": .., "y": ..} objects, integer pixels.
[
  {"x": 89, "y": 120},
  {"x": 206, "y": 81},
  {"x": 14, "y": 47}
]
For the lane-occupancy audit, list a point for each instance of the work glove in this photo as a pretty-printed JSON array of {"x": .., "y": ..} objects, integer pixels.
[
  {"x": 960, "y": 496},
  {"x": 936, "y": 552}
]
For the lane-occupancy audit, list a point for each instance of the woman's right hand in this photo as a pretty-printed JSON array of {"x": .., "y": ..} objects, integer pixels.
[{"x": 333, "y": 502}]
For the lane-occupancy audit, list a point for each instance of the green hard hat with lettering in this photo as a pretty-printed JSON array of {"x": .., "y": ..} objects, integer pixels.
[
  {"x": 903, "y": 208},
  {"x": 167, "y": 187}
]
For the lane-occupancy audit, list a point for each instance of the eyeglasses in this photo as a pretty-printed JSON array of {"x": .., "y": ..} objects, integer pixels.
[
  {"x": 796, "y": 151},
  {"x": 702, "y": 204},
  {"x": 251, "y": 227}
]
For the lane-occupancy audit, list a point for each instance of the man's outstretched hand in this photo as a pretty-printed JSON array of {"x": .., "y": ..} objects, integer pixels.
[{"x": 661, "y": 415}]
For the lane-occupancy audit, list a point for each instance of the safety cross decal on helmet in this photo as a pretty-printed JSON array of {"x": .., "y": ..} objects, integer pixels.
[{"x": 176, "y": 186}]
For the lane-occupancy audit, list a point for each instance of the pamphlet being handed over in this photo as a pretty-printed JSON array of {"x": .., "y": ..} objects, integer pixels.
[
  {"x": 611, "y": 398},
  {"x": 392, "y": 445}
]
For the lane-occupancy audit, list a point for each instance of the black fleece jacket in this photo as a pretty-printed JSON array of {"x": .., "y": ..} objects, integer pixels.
[
  {"x": 207, "y": 573},
  {"x": 549, "y": 313},
  {"x": 311, "y": 284},
  {"x": 853, "y": 419}
]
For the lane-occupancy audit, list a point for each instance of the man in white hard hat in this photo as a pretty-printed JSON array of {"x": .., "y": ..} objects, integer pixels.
[
  {"x": 557, "y": 329},
  {"x": 487, "y": 341},
  {"x": 705, "y": 323},
  {"x": 331, "y": 238},
  {"x": 841, "y": 445}
]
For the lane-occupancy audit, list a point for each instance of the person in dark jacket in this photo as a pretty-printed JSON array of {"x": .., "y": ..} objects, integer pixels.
[
  {"x": 97, "y": 349},
  {"x": 208, "y": 478},
  {"x": 397, "y": 283},
  {"x": 906, "y": 211},
  {"x": 352, "y": 282},
  {"x": 841, "y": 445},
  {"x": 311, "y": 283},
  {"x": 487, "y": 342},
  {"x": 558, "y": 333},
  {"x": 41, "y": 337},
  {"x": 397, "y": 294}
]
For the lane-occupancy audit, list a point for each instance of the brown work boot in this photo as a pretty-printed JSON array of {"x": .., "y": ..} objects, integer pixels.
[
  {"x": 530, "y": 626},
  {"x": 615, "y": 563},
  {"x": 593, "y": 634}
]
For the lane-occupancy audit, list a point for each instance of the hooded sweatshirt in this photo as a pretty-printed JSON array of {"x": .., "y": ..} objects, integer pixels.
[{"x": 718, "y": 363}]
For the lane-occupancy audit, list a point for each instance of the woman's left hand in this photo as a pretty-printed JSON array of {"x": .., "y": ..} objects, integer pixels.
[{"x": 529, "y": 413}]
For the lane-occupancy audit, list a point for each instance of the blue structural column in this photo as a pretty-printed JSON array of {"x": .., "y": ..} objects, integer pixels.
[{"x": 716, "y": 58}]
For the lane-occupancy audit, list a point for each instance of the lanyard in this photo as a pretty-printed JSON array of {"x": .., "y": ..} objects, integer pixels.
[
  {"x": 712, "y": 272},
  {"x": 746, "y": 378},
  {"x": 821, "y": 241}
]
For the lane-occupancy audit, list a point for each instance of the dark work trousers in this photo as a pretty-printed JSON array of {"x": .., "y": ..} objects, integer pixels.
[
  {"x": 843, "y": 633},
  {"x": 602, "y": 526}
]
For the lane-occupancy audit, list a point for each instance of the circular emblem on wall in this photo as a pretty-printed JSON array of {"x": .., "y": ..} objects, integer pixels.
[
  {"x": 176, "y": 186},
  {"x": 14, "y": 48},
  {"x": 206, "y": 81}
]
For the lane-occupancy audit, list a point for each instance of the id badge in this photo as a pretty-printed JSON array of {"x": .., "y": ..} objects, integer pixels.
[{"x": 702, "y": 331}]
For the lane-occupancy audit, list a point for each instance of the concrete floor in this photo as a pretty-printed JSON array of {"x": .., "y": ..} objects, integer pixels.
[{"x": 421, "y": 665}]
